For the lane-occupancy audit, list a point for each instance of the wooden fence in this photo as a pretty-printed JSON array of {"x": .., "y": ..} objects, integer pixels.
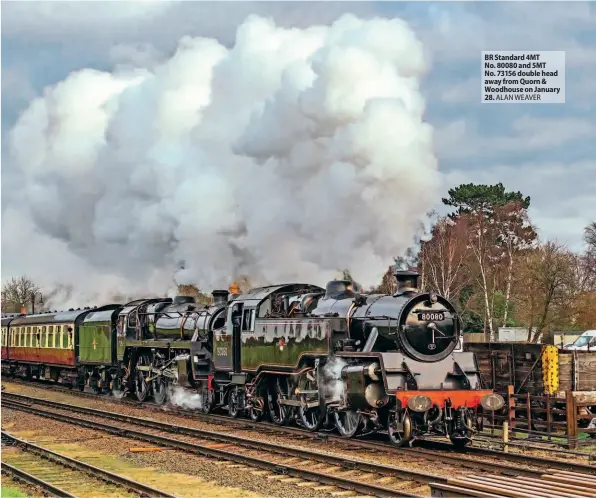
[{"x": 557, "y": 419}]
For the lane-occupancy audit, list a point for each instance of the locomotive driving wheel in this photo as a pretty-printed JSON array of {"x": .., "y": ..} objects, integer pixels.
[
  {"x": 141, "y": 385},
  {"x": 280, "y": 414},
  {"x": 400, "y": 431},
  {"x": 159, "y": 384},
  {"x": 348, "y": 422},
  {"x": 311, "y": 417}
]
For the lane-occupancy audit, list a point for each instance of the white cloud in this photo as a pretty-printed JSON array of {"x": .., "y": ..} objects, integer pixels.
[
  {"x": 462, "y": 139},
  {"x": 562, "y": 194},
  {"x": 55, "y": 20}
]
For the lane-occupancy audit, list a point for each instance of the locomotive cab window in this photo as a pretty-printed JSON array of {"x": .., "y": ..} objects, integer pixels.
[{"x": 248, "y": 320}]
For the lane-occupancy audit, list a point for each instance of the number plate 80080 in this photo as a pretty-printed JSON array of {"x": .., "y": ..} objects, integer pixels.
[{"x": 427, "y": 317}]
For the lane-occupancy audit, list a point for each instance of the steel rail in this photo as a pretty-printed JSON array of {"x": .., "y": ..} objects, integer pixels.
[
  {"x": 21, "y": 475},
  {"x": 231, "y": 421},
  {"x": 278, "y": 468},
  {"x": 445, "y": 456},
  {"x": 91, "y": 470}
]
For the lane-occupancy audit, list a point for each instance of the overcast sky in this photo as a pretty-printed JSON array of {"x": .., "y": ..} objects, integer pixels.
[{"x": 546, "y": 151}]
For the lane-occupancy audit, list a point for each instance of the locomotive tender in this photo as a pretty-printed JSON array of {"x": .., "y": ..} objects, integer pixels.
[{"x": 326, "y": 357}]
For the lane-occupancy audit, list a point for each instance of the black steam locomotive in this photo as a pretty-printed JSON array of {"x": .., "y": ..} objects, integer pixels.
[{"x": 324, "y": 357}]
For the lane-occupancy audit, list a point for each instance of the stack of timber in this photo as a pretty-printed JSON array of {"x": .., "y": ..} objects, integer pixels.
[{"x": 552, "y": 484}]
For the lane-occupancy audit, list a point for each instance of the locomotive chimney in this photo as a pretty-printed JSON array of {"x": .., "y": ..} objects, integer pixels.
[
  {"x": 184, "y": 300},
  {"x": 220, "y": 296},
  {"x": 407, "y": 280},
  {"x": 339, "y": 289},
  {"x": 23, "y": 309}
]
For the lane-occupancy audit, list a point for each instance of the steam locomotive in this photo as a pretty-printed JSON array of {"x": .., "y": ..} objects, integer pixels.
[{"x": 293, "y": 352}]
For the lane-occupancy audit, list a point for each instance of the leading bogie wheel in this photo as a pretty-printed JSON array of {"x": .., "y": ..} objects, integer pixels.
[{"x": 400, "y": 434}]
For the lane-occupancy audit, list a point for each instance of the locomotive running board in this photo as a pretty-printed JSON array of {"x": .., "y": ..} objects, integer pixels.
[{"x": 291, "y": 402}]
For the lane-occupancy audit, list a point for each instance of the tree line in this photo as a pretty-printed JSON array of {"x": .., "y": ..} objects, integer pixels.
[{"x": 486, "y": 257}]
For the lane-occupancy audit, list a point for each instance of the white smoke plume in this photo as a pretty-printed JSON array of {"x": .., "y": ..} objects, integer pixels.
[
  {"x": 333, "y": 387},
  {"x": 292, "y": 154},
  {"x": 178, "y": 396}
]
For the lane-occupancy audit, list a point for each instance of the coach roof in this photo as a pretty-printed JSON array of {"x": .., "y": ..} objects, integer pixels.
[{"x": 42, "y": 318}]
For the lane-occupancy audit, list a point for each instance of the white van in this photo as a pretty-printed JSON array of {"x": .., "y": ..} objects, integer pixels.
[{"x": 585, "y": 342}]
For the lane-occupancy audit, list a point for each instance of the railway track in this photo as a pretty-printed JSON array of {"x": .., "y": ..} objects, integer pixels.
[
  {"x": 63, "y": 476},
  {"x": 431, "y": 449},
  {"x": 511, "y": 481},
  {"x": 434, "y": 451},
  {"x": 302, "y": 464},
  {"x": 26, "y": 404}
]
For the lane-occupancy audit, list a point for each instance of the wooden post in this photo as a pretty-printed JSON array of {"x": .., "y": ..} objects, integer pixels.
[
  {"x": 529, "y": 411},
  {"x": 505, "y": 436},
  {"x": 511, "y": 405},
  {"x": 549, "y": 416},
  {"x": 571, "y": 420}
]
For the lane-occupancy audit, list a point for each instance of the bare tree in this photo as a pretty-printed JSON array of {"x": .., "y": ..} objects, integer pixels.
[
  {"x": 20, "y": 292},
  {"x": 514, "y": 235},
  {"x": 444, "y": 258},
  {"x": 547, "y": 288},
  {"x": 589, "y": 259}
]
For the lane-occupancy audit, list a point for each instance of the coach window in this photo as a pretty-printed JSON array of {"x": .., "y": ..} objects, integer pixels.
[
  {"x": 62, "y": 338},
  {"x": 70, "y": 338},
  {"x": 20, "y": 337},
  {"x": 51, "y": 338},
  {"x": 30, "y": 336}
]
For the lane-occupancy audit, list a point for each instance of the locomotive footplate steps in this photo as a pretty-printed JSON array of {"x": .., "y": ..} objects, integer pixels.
[{"x": 554, "y": 484}]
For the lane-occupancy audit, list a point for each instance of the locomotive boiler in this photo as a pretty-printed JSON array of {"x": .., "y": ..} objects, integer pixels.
[
  {"x": 358, "y": 362},
  {"x": 321, "y": 357}
]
